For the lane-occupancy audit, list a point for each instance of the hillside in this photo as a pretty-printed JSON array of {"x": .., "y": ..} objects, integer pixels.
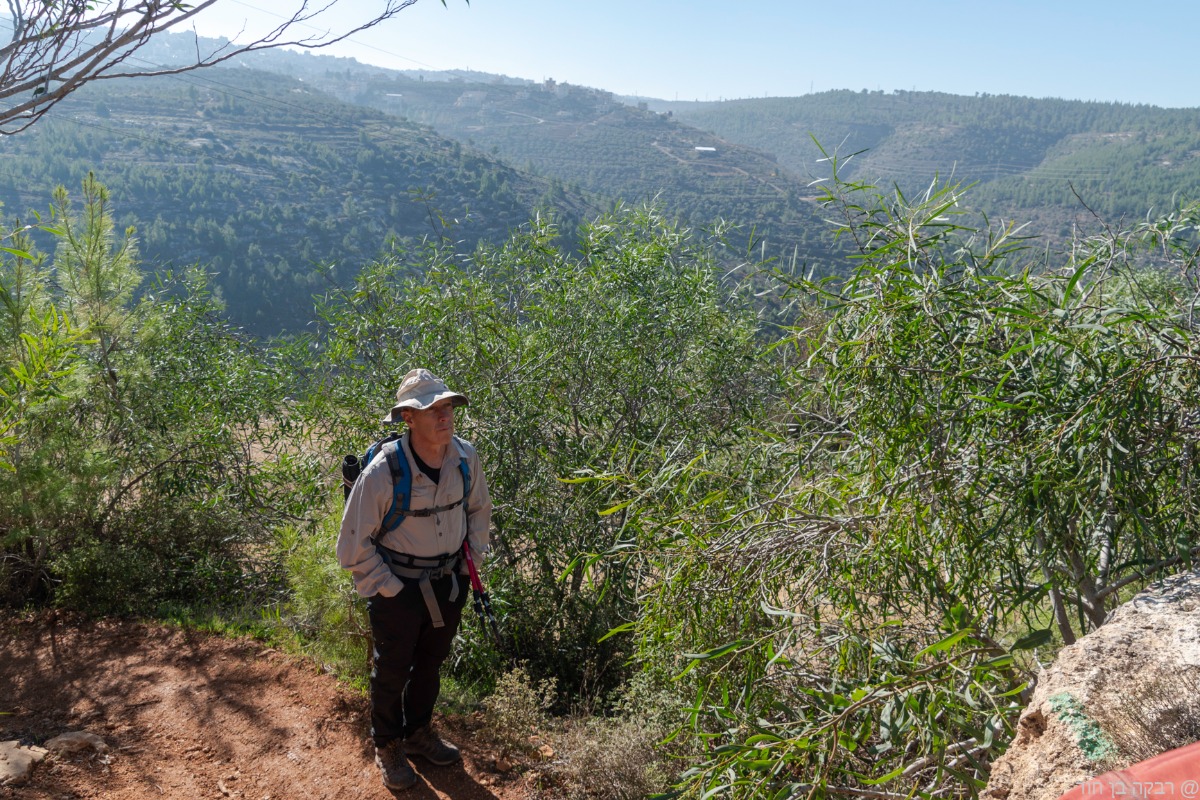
[
  {"x": 590, "y": 139},
  {"x": 263, "y": 180},
  {"x": 288, "y": 161},
  {"x": 585, "y": 137},
  {"x": 753, "y": 161},
  {"x": 1029, "y": 156}
]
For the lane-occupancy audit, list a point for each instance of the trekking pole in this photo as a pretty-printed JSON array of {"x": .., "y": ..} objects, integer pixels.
[{"x": 482, "y": 603}]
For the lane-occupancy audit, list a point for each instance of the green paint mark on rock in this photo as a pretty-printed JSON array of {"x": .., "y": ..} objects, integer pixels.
[{"x": 1094, "y": 743}]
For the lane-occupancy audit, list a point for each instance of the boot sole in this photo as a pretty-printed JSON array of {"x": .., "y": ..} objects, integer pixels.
[
  {"x": 408, "y": 783},
  {"x": 441, "y": 763}
]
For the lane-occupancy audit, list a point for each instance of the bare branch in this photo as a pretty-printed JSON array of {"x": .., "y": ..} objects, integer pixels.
[{"x": 57, "y": 46}]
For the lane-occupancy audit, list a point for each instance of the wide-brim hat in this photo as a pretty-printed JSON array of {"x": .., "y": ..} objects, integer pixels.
[{"x": 420, "y": 389}]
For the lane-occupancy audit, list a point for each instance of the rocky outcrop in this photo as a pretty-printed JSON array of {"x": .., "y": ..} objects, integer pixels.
[
  {"x": 17, "y": 761},
  {"x": 1121, "y": 694}
]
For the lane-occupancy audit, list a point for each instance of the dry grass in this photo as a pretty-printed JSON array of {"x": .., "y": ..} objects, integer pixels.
[
  {"x": 617, "y": 757},
  {"x": 611, "y": 757},
  {"x": 1153, "y": 717}
]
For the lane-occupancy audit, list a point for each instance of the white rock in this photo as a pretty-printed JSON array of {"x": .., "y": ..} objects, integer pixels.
[
  {"x": 1143, "y": 665},
  {"x": 16, "y": 762}
]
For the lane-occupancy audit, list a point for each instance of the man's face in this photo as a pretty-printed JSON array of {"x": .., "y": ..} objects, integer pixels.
[{"x": 433, "y": 425}]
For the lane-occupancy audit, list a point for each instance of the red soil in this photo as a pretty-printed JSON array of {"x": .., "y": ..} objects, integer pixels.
[{"x": 191, "y": 715}]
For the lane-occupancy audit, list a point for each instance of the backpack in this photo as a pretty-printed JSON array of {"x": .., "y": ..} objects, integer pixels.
[{"x": 353, "y": 466}]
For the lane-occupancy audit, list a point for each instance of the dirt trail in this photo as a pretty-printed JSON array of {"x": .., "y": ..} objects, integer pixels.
[{"x": 190, "y": 715}]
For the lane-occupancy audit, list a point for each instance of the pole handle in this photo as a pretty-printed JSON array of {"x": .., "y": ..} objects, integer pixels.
[{"x": 476, "y": 583}]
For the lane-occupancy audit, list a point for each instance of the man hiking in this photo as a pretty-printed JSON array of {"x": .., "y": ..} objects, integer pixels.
[{"x": 413, "y": 573}]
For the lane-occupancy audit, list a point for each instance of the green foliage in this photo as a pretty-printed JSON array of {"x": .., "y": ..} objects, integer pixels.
[
  {"x": 1024, "y": 427},
  {"x": 983, "y": 444},
  {"x": 151, "y": 458},
  {"x": 581, "y": 370},
  {"x": 321, "y": 607},
  {"x": 263, "y": 192}
]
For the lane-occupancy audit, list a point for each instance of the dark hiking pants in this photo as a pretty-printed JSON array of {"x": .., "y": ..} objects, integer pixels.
[{"x": 407, "y": 656}]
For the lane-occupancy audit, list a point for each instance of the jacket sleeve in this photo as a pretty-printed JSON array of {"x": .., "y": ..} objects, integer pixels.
[
  {"x": 366, "y": 506},
  {"x": 479, "y": 508}
]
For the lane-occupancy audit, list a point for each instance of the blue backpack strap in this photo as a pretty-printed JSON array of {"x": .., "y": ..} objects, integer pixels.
[
  {"x": 401, "y": 487},
  {"x": 466, "y": 473},
  {"x": 374, "y": 449}
]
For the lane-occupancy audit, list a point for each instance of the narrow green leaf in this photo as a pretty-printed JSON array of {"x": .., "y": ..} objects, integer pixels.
[
  {"x": 628, "y": 626},
  {"x": 944, "y": 644},
  {"x": 1035, "y": 638},
  {"x": 717, "y": 652},
  {"x": 614, "y": 509},
  {"x": 891, "y": 776},
  {"x": 1075, "y": 279}
]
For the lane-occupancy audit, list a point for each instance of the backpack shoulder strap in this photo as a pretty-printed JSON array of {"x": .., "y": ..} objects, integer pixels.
[
  {"x": 465, "y": 469},
  {"x": 401, "y": 485},
  {"x": 376, "y": 448}
]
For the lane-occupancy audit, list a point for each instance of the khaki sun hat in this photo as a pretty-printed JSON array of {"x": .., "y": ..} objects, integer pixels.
[{"x": 421, "y": 389}]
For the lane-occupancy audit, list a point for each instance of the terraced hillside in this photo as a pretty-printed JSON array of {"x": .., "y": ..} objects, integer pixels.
[
  {"x": 266, "y": 182},
  {"x": 592, "y": 140},
  {"x": 1034, "y": 160}
]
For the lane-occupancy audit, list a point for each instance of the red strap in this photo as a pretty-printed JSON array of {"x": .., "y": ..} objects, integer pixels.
[{"x": 476, "y": 584}]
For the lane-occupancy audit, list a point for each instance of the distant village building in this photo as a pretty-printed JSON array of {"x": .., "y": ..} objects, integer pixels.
[
  {"x": 472, "y": 99},
  {"x": 706, "y": 151},
  {"x": 559, "y": 90}
]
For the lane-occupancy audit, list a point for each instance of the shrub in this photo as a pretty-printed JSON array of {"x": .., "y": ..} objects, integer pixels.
[
  {"x": 622, "y": 754},
  {"x": 157, "y": 438},
  {"x": 321, "y": 607},
  {"x": 518, "y": 709},
  {"x": 583, "y": 370},
  {"x": 989, "y": 449}
]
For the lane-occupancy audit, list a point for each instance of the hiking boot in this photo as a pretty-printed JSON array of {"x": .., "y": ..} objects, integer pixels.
[
  {"x": 424, "y": 742},
  {"x": 394, "y": 767}
]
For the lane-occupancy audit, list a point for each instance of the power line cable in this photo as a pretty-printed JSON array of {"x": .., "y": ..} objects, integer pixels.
[{"x": 355, "y": 41}]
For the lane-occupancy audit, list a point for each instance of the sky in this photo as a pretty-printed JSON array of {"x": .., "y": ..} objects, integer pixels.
[{"x": 1109, "y": 50}]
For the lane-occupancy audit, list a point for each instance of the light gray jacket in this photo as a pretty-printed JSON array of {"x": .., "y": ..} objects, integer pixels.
[{"x": 435, "y": 535}]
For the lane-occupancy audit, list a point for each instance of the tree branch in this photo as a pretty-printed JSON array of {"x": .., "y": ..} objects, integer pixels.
[{"x": 57, "y": 46}]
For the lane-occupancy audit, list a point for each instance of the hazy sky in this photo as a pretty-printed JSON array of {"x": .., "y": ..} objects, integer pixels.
[{"x": 1098, "y": 50}]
